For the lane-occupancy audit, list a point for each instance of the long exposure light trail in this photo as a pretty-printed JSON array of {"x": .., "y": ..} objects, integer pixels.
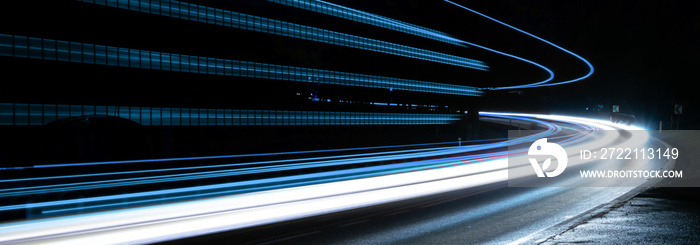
[
  {"x": 236, "y": 187},
  {"x": 264, "y": 201},
  {"x": 539, "y": 84},
  {"x": 392, "y": 24},
  {"x": 194, "y": 12},
  {"x": 41, "y": 114},
  {"x": 298, "y": 163},
  {"x": 76, "y": 52},
  {"x": 369, "y": 18}
]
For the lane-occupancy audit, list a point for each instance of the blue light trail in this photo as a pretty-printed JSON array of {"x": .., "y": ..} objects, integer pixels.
[
  {"x": 193, "y": 12},
  {"x": 224, "y": 170},
  {"x": 41, "y": 114},
  {"x": 371, "y": 19},
  {"x": 276, "y": 199},
  {"x": 49, "y": 49},
  {"x": 590, "y": 67},
  {"x": 392, "y": 24}
]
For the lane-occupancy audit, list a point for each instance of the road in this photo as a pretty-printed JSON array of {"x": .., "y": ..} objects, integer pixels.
[
  {"x": 503, "y": 215},
  {"x": 456, "y": 195},
  {"x": 493, "y": 214}
]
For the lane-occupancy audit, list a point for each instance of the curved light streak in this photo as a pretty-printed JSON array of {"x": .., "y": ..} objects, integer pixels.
[
  {"x": 251, "y": 185},
  {"x": 111, "y": 180},
  {"x": 591, "y": 69},
  {"x": 392, "y": 24},
  {"x": 191, "y": 218},
  {"x": 550, "y": 78}
]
